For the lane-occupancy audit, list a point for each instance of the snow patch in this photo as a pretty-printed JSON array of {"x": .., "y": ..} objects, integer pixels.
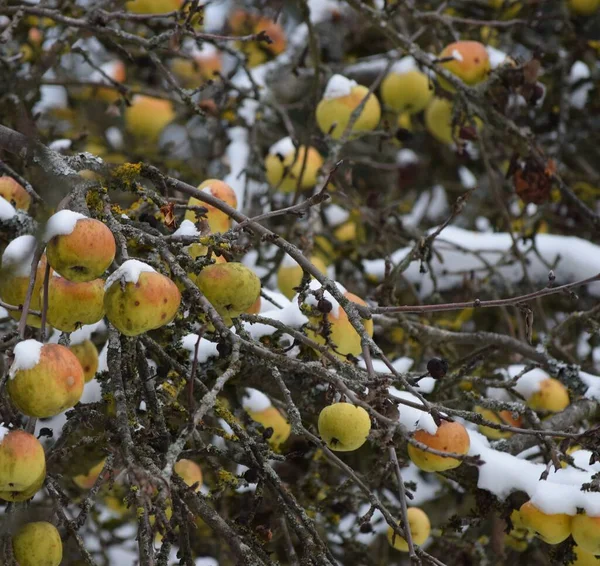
[
  {"x": 503, "y": 473},
  {"x": 186, "y": 228},
  {"x": 574, "y": 258},
  {"x": 411, "y": 418},
  {"x": 283, "y": 147},
  {"x": 336, "y": 215},
  {"x": 18, "y": 255},
  {"x": 206, "y": 348},
  {"x": 457, "y": 55},
  {"x": 27, "y": 355},
  {"x": 62, "y": 224},
  {"x": 255, "y": 401},
  {"x": 406, "y": 157},
  {"x": 468, "y": 180},
  {"x": 496, "y": 56},
  {"x": 529, "y": 383},
  {"x": 580, "y": 72},
  {"x": 290, "y": 315},
  {"x": 404, "y": 65},
  {"x": 129, "y": 272},
  {"x": 338, "y": 86},
  {"x": 7, "y": 210}
]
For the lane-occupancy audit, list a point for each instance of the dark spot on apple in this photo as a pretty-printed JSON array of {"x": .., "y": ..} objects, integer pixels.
[
  {"x": 163, "y": 315},
  {"x": 137, "y": 303}
]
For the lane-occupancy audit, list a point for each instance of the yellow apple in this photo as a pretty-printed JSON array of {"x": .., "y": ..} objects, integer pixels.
[
  {"x": 286, "y": 168},
  {"x": 138, "y": 299},
  {"x": 552, "y": 396},
  {"x": 79, "y": 248},
  {"x": 87, "y": 481},
  {"x": 217, "y": 221},
  {"x": 22, "y": 460},
  {"x": 14, "y": 277},
  {"x": 230, "y": 287},
  {"x": 189, "y": 472},
  {"x": 501, "y": 417},
  {"x": 584, "y": 558},
  {"x": 450, "y": 437},
  {"x": 584, "y": 7},
  {"x": 19, "y": 496},
  {"x": 37, "y": 544},
  {"x": 289, "y": 274},
  {"x": 409, "y": 91},
  {"x": 14, "y": 193},
  {"x": 87, "y": 354},
  {"x": 202, "y": 66},
  {"x": 586, "y": 532},
  {"x": 342, "y": 334},
  {"x": 153, "y": 6},
  {"x": 438, "y": 120},
  {"x": 272, "y": 418},
  {"x": 342, "y": 96},
  {"x": 147, "y": 117},
  {"x": 344, "y": 427},
  {"x": 72, "y": 304},
  {"x": 420, "y": 529},
  {"x": 552, "y": 529},
  {"x": 44, "y": 379}
]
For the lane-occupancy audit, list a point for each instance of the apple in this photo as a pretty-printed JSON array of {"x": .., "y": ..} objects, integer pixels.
[
  {"x": 242, "y": 23},
  {"x": 407, "y": 91},
  {"x": 147, "y": 117},
  {"x": 501, "y": 417},
  {"x": 189, "y": 472},
  {"x": 420, "y": 529},
  {"x": 14, "y": 277},
  {"x": 256, "y": 307},
  {"x": 14, "y": 193},
  {"x": 79, "y": 248},
  {"x": 44, "y": 379},
  {"x": 153, "y": 6},
  {"x": 138, "y": 299},
  {"x": 87, "y": 354},
  {"x": 231, "y": 288},
  {"x": 28, "y": 493},
  {"x": 37, "y": 544},
  {"x": 203, "y": 65},
  {"x": 117, "y": 71},
  {"x": 72, "y": 304},
  {"x": 341, "y": 332},
  {"x": 584, "y": 558},
  {"x": 552, "y": 529},
  {"x": 470, "y": 62},
  {"x": 286, "y": 168},
  {"x": 87, "y": 481},
  {"x": 438, "y": 120},
  {"x": 450, "y": 437},
  {"x": 586, "y": 532},
  {"x": 552, "y": 396},
  {"x": 289, "y": 274},
  {"x": 217, "y": 221},
  {"x": 342, "y": 96},
  {"x": 344, "y": 427},
  {"x": 519, "y": 536},
  {"x": 22, "y": 461},
  {"x": 584, "y": 7},
  {"x": 271, "y": 417}
]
